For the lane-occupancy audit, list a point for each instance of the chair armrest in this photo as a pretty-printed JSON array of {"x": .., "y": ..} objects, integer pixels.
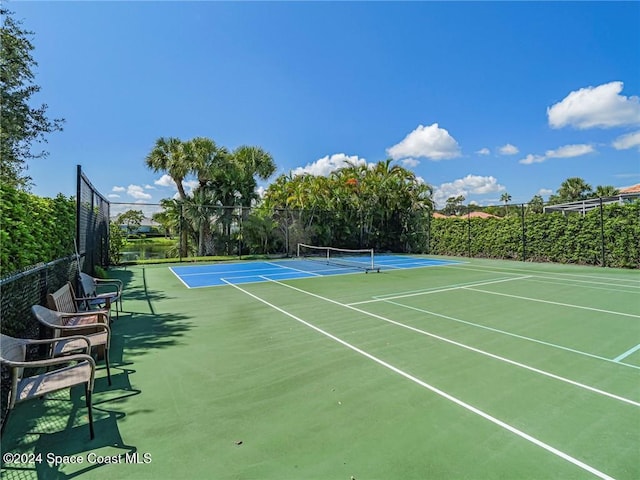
[
  {"x": 50, "y": 362},
  {"x": 30, "y": 341},
  {"x": 99, "y": 313},
  {"x": 70, "y": 328},
  {"x": 106, "y": 281}
]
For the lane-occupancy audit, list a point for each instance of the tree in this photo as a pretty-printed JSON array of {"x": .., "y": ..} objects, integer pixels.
[
  {"x": 505, "y": 198},
  {"x": 603, "y": 191},
  {"x": 536, "y": 204},
  {"x": 168, "y": 155},
  {"x": 22, "y": 125},
  {"x": 131, "y": 219},
  {"x": 453, "y": 205},
  {"x": 572, "y": 189}
]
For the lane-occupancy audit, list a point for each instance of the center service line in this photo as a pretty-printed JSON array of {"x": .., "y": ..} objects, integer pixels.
[{"x": 435, "y": 390}]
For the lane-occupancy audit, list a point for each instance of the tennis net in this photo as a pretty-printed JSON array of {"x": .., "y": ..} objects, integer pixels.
[{"x": 359, "y": 258}]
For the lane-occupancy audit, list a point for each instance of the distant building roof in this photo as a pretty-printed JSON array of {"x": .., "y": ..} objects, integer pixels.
[
  {"x": 482, "y": 215},
  {"x": 632, "y": 189}
]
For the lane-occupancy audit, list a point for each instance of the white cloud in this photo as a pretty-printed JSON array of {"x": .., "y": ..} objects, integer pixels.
[
  {"x": 165, "y": 181},
  {"x": 430, "y": 142},
  {"x": 149, "y": 187},
  {"x": 410, "y": 162},
  {"x": 508, "y": 149},
  {"x": 529, "y": 159},
  {"x": 569, "y": 151},
  {"x": 118, "y": 189},
  {"x": 137, "y": 192},
  {"x": 600, "y": 106},
  {"x": 325, "y": 165},
  {"x": 483, "y": 151},
  {"x": 566, "y": 151},
  {"x": 543, "y": 192},
  {"x": 190, "y": 186},
  {"x": 627, "y": 141},
  {"x": 113, "y": 195},
  {"x": 471, "y": 184}
]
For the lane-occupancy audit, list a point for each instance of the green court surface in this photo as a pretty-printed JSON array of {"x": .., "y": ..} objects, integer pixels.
[{"x": 480, "y": 369}]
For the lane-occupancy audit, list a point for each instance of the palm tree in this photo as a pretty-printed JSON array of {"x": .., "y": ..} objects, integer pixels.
[
  {"x": 603, "y": 191},
  {"x": 168, "y": 155},
  {"x": 574, "y": 189},
  {"x": 251, "y": 162},
  {"x": 505, "y": 198},
  {"x": 197, "y": 210}
]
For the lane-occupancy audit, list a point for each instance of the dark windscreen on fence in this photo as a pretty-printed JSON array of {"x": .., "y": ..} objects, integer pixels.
[{"x": 92, "y": 225}]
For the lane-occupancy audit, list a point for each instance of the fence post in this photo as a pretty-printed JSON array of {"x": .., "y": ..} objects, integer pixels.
[
  {"x": 180, "y": 246},
  {"x": 469, "y": 230},
  {"x": 604, "y": 258},
  {"x": 524, "y": 236}
]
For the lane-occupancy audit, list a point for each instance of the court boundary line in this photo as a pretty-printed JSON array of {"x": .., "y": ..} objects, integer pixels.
[
  {"x": 553, "y": 303},
  {"x": 179, "y": 278},
  {"x": 417, "y": 293},
  {"x": 442, "y": 393},
  {"x": 568, "y": 283},
  {"x": 522, "y": 337},
  {"x": 468, "y": 347},
  {"x": 471, "y": 266}
]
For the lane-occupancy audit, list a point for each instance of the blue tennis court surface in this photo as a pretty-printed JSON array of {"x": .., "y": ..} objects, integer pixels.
[{"x": 195, "y": 276}]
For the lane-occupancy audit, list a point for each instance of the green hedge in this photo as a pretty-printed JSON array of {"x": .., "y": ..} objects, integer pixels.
[
  {"x": 572, "y": 238},
  {"x": 34, "y": 229}
]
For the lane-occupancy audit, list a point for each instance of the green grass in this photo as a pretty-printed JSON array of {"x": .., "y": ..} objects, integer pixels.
[{"x": 215, "y": 383}]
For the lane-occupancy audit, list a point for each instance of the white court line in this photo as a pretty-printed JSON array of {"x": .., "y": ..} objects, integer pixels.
[
  {"x": 627, "y": 353},
  {"x": 428, "y": 292},
  {"x": 295, "y": 269},
  {"x": 501, "y": 270},
  {"x": 437, "y": 391},
  {"x": 466, "y": 347},
  {"x": 612, "y": 288},
  {"x": 522, "y": 337},
  {"x": 566, "y": 281},
  {"x": 224, "y": 272},
  {"x": 553, "y": 303},
  {"x": 179, "y": 278}
]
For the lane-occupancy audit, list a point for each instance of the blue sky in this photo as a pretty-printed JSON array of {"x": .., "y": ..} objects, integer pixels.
[{"x": 477, "y": 98}]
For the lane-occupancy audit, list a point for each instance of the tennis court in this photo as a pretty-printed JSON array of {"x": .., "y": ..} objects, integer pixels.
[
  {"x": 463, "y": 369},
  {"x": 195, "y": 276}
]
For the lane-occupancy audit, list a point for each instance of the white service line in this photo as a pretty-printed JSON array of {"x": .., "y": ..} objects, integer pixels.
[
  {"x": 515, "y": 335},
  {"x": 466, "y": 347},
  {"x": 439, "y": 290},
  {"x": 437, "y": 391},
  {"x": 294, "y": 269},
  {"x": 627, "y": 353},
  {"x": 553, "y": 303}
]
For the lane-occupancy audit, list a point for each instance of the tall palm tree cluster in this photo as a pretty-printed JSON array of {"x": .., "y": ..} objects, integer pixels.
[
  {"x": 574, "y": 189},
  {"x": 358, "y": 206},
  {"x": 226, "y": 181}
]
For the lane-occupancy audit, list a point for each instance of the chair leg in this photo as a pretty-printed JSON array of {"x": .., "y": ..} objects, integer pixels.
[
  {"x": 106, "y": 361},
  {"x": 89, "y": 409}
]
